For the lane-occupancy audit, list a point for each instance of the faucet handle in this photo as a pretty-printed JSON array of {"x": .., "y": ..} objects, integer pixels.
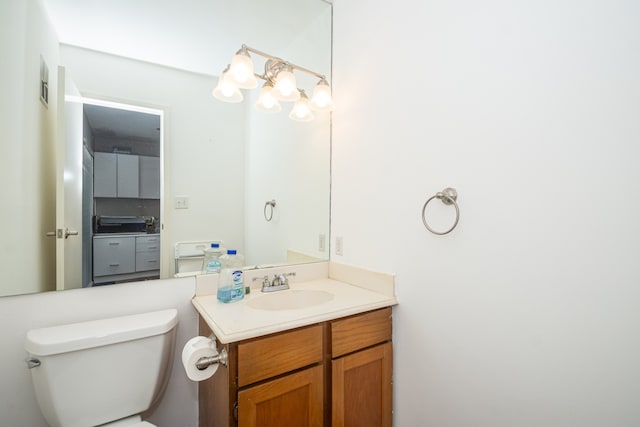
[
  {"x": 278, "y": 279},
  {"x": 281, "y": 279},
  {"x": 265, "y": 281}
]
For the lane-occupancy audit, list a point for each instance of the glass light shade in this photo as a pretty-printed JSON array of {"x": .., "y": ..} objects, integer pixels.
[
  {"x": 285, "y": 87},
  {"x": 301, "y": 111},
  {"x": 267, "y": 101},
  {"x": 241, "y": 71},
  {"x": 226, "y": 91},
  {"x": 321, "y": 99}
]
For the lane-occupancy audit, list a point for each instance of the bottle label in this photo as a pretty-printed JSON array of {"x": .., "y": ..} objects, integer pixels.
[
  {"x": 237, "y": 288},
  {"x": 236, "y": 276},
  {"x": 212, "y": 267}
]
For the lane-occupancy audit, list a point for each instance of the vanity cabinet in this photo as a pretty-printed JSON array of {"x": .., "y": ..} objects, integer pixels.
[{"x": 334, "y": 373}]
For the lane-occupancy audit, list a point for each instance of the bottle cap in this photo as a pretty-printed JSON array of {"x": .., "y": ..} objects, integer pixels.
[
  {"x": 215, "y": 245},
  {"x": 231, "y": 252}
]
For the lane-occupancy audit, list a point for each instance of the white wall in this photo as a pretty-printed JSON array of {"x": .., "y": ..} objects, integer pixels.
[
  {"x": 297, "y": 178},
  {"x": 18, "y": 314},
  {"x": 527, "y": 313},
  {"x": 27, "y": 133},
  {"x": 205, "y": 141},
  {"x": 289, "y": 161}
]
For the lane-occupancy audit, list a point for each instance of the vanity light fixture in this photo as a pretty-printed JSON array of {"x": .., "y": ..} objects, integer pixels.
[
  {"x": 285, "y": 88},
  {"x": 241, "y": 70},
  {"x": 225, "y": 90},
  {"x": 280, "y": 85},
  {"x": 321, "y": 99},
  {"x": 302, "y": 109},
  {"x": 267, "y": 101}
]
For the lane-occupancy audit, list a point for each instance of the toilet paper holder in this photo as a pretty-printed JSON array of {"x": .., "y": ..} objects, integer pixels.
[{"x": 221, "y": 358}]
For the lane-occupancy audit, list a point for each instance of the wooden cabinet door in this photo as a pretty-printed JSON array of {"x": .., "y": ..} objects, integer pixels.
[
  {"x": 294, "y": 400},
  {"x": 362, "y": 388}
]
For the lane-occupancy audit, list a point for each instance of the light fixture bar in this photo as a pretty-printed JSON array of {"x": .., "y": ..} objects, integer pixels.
[
  {"x": 275, "y": 58},
  {"x": 280, "y": 85}
]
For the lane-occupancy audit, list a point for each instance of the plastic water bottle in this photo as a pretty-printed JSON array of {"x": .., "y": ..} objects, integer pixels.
[
  {"x": 211, "y": 262},
  {"x": 231, "y": 283}
]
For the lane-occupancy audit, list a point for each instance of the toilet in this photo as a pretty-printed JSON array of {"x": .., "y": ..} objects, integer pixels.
[{"x": 102, "y": 372}]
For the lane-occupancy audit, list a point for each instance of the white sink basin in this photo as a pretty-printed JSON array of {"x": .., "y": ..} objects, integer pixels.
[{"x": 290, "y": 299}]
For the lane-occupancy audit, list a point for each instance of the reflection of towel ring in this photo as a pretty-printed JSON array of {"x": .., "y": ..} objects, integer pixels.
[
  {"x": 272, "y": 204},
  {"x": 448, "y": 197}
]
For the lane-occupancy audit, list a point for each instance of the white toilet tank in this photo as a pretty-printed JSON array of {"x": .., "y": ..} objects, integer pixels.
[{"x": 95, "y": 372}]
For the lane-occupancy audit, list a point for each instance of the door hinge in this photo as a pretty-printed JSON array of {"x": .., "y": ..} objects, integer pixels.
[{"x": 235, "y": 411}]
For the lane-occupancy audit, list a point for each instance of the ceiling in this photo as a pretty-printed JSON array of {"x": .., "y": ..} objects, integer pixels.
[
  {"x": 124, "y": 131},
  {"x": 194, "y": 35},
  {"x": 199, "y": 36}
]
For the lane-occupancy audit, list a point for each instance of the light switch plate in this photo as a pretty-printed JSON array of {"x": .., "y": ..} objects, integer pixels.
[
  {"x": 339, "y": 248},
  {"x": 322, "y": 239},
  {"x": 182, "y": 202}
]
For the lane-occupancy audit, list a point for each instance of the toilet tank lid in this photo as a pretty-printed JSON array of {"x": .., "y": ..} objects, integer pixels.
[{"x": 97, "y": 333}]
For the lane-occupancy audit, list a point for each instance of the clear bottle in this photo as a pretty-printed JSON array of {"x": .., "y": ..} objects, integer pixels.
[
  {"x": 231, "y": 282},
  {"x": 211, "y": 262}
]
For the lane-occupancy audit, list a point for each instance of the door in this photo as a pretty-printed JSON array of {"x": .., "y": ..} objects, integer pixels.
[
  {"x": 294, "y": 400},
  {"x": 362, "y": 388},
  {"x": 69, "y": 160}
]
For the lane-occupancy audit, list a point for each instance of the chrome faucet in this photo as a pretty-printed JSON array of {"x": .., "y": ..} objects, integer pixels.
[{"x": 279, "y": 283}]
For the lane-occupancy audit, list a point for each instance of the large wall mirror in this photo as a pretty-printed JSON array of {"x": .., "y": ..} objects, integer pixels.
[{"x": 220, "y": 165}]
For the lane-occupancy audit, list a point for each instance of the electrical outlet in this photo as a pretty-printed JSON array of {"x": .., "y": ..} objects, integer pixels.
[
  {"x": 182, "y": 202},
  {"x": 322, "y": 243},
  {"x": 339, "y": 248}
]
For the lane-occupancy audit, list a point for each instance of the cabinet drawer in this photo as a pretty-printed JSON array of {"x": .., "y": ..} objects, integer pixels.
[
  {"x": 274, "y": 355},
  {"x": 147, "y": 243},
  {"x": 114, "y": 255},
  {"x": 146, "y": 261},
  {"x": 353, "y": 333}
]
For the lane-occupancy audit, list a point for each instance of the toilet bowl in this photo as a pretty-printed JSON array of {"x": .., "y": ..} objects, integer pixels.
[
  {"x": 102, "y": 372},
  {"x": 134, "y": 421}
]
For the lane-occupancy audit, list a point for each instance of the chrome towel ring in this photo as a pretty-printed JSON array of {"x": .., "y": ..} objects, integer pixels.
[
  {"x": 448, "y": 197},
  {"x": 269, "y": 204}
]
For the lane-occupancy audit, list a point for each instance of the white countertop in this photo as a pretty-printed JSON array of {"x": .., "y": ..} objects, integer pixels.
[
  {"x": 131, "y": 234},
  {"x": 239, "y": 321}
]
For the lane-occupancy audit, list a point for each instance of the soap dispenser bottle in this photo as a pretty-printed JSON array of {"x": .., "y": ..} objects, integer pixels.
[
  {"x": 231, "y": 281},
  {"x": 211, "y": 262}
]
